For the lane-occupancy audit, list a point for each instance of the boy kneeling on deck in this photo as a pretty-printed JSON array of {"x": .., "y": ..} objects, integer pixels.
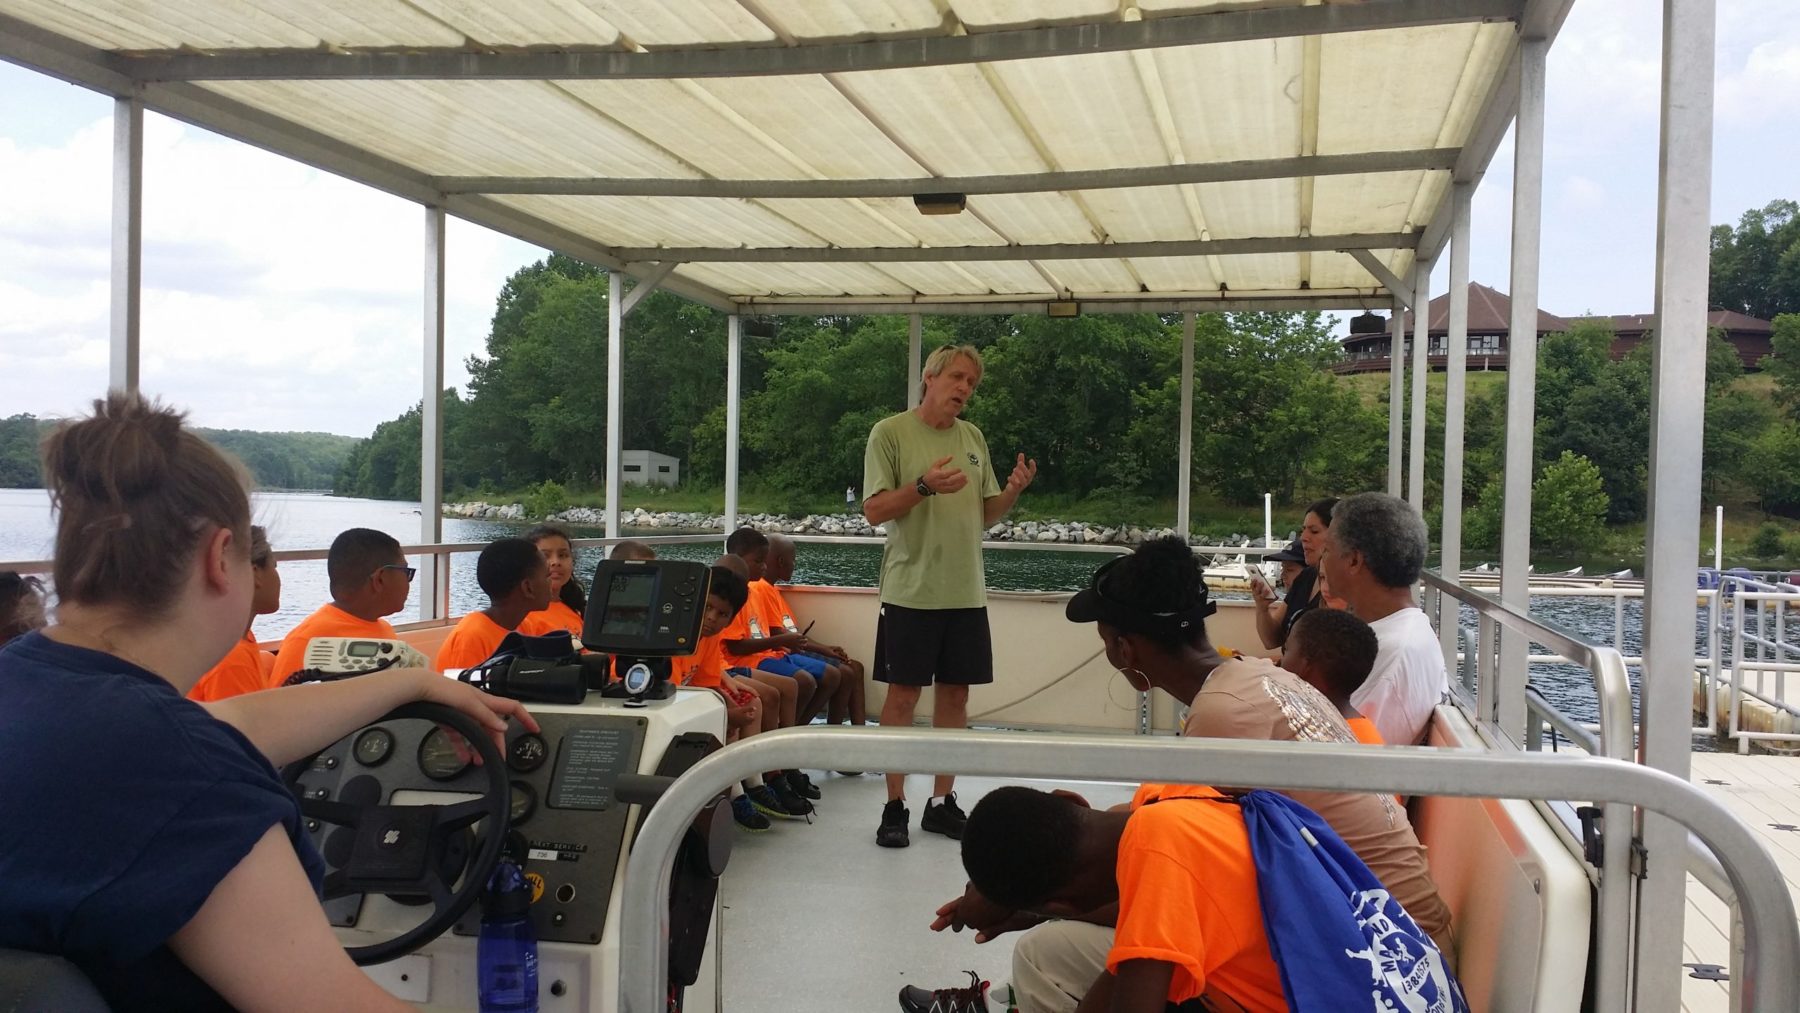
[{"x": 1191, "y": 933}]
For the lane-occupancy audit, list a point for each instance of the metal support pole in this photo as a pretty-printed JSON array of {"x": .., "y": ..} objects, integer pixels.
[
  {"x": 615, "y": 397},
  {"x": 1521, "y": 378},
  {"x": 127, "y": 241},
  {"x": 1396, "y": 392},
  {"x": 734, "y": 380},
  {"x": 1456, "y": 367},
  {"x": 1184, "y": 468},
  {"x": 915, "y": 358},
  {"x": 1415, "y": 476},
  {"x": 434, "y": 571},
  {"x": 1677, "y": 419}
]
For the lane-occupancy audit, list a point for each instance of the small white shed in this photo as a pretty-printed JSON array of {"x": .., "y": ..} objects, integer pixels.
[{"x": 647, "y": 467}]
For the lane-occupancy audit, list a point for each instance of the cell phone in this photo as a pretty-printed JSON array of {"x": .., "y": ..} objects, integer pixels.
[
  {"x": 808, "y": 629},
  {"x": 1257, "y": 579}
]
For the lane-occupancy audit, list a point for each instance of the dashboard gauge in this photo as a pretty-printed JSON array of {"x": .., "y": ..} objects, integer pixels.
[
  {"x": 637, "y": 679},
  {"x": 524, "y": 802},
  {"x": 527, "y": 753},
  {"x": 444, "y": 754},
  {"x": 373, "y": 747}
]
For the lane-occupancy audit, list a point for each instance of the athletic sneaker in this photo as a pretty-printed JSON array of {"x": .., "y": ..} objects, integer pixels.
[
  {"x": 944, "y": 818},
  {"x": 893, "y": 833},
  {"x": 914, "y": 999},
  {"x": 790, "y": 800},
  {"x": 802, "y": 785},
  {"x": 744, "y": 812},
  {"x": 769, "y": 803}
]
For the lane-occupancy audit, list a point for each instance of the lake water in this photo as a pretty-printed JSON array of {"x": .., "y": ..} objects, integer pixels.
[{"x": 301, "y": 520}]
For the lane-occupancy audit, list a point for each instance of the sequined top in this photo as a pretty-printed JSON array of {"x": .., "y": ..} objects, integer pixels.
[{"x": 1252, "y": 698}]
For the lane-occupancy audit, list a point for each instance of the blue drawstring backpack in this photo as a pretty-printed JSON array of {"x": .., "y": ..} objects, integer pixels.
[{"x": 1336, "y": 933}]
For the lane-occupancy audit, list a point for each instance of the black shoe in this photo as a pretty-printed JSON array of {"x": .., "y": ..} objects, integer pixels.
[
  {"x": 893, "y": 833},
  {"x": 944, "y": 818},
  {"x": 802, "y": 785},
  {"x": 790, "y": 801},
  {"x": 767, "y": 802},
  {"x": 914, "y": 999}
]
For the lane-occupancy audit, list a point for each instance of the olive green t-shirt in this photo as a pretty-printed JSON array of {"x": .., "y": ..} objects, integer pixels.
[{"x": 933, "y": 555}]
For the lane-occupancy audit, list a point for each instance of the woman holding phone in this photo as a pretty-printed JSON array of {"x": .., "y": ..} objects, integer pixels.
[{"x": 1275, "y": 617}]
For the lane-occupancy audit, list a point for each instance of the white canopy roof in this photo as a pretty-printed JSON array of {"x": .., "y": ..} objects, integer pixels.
[{"x": 1128, "y": 154}]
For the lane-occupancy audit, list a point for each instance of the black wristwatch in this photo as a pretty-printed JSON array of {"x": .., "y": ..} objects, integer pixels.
[{"x": 924, "y": 490}]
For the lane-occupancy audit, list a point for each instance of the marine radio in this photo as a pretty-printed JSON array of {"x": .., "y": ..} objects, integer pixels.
[
  {"x": 355, "y": 656},
  {"x": 644, "y": 612}
]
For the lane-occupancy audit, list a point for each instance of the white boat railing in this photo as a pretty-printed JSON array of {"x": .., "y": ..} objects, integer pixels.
[
  {"x": 1769, "y": 973},
  {"x": 1766, "y": 652}
]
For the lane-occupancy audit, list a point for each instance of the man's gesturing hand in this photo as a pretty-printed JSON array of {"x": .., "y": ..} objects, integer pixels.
[
  {"x": 945, "y": 480},
  {"x": 1022, "y": 474}
]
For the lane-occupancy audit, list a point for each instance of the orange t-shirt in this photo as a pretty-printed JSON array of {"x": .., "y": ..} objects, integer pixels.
[
  {"x": 471, "y": 642},
  {"x": 749, "y": 625},
  {"x": 705, "y": 668},
  {"x": 549, "y": 620},
  {"x": 1187, "y": 897},
  {"x": 1365, "y": 731},
  {"x": 780, "y": 615},
  {"x": 329, "y": 621},
  {"x": 241, "y": 671}
]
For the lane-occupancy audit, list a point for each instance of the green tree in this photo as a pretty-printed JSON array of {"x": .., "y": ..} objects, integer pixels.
[
  {"x": 20, "y": 467},
  {"x": 1568, "y": 504},
  {"x": 1756, "y": 267},
  {"x": 1774, "y": 468},
  {"x": 1061, "y": 391},
  {"x": 1783, "y": 361}
]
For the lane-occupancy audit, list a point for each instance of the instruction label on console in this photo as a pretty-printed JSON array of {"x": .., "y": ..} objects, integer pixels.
[{"x": 588, "y": 766}]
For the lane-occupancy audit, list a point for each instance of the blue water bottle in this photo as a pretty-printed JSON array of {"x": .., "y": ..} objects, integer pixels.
[{"x": 506, "y": 952}]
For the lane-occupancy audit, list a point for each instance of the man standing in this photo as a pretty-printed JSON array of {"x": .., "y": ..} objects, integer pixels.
[
  {"x": 928, "y": 478},
  {"x": 1372, "y": 556}
]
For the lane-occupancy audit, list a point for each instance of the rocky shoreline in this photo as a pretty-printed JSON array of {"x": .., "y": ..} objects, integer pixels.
[{"x": 1053, "y": 531}]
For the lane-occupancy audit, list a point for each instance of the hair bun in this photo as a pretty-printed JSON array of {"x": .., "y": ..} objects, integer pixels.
[{"x": 125, "y": 450}]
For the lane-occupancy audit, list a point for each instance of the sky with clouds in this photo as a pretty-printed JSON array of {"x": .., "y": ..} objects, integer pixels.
[{"x": 279, "y": 297}]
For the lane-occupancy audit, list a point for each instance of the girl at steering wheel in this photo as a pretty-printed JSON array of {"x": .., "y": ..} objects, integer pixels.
[{"x": 147, "y": 837}]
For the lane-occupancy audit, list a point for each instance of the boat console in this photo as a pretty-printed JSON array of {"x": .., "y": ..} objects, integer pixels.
[{"x": 412, "y": 814}]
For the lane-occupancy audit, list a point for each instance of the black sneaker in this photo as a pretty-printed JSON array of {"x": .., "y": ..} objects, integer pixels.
[
  {"x": 744, "y": 812},
  {"x": 893, "y": 833},
  {"x": 769, "y": 804},
  {"x": 944, "y": 818},
  {"x": 790, "y": 801},
  {"x": 802, "y": 785},
  {"x": 914, "y": 999}
]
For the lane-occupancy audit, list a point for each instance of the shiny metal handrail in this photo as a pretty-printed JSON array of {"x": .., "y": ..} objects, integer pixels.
[
  {"x": 1612, "y": 683},
  {"x": 1771, "y": 968}
]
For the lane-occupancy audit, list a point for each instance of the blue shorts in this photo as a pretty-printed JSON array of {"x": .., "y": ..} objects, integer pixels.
[{"x": 788, "y": 664}]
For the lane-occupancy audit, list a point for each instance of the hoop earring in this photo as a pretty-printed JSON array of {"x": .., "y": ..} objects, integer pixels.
[{"x": 1128, "y": 673}]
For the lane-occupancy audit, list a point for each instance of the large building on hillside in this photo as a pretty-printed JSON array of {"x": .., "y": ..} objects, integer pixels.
[{"x": 1367, "y": 348}]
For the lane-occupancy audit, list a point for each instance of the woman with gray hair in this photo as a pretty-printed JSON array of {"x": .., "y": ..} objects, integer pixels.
[{"x": 1373, "y": 554}]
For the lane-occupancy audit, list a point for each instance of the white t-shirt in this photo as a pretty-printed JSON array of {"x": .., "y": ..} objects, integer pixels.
[{"x": 1408, "y": 679}]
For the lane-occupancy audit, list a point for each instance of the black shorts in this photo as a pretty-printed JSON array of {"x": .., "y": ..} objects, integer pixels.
[{"x": 915, "y": 647}]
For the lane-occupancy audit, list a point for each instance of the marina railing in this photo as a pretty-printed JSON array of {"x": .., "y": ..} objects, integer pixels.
[
  {"x": 1740, "y": 605},
  {"x": 1770, "y": 970}
]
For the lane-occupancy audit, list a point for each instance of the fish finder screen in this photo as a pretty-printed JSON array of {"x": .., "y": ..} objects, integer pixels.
[{"x": 628, "y": 602}]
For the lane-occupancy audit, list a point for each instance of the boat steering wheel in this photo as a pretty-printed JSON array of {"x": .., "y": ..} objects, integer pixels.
[{"x": 399, "y": 850}]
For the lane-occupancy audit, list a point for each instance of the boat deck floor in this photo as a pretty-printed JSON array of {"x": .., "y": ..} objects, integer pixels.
[
  {"x": 1764, "y": 792},
  {"x": 818, "y": 915}
]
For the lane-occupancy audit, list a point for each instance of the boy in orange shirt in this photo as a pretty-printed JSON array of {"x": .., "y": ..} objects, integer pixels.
[
  {"x": 516, "y": 580},
  {"x": 1334, "y": 651},
  {"x": 246, "y": 669},
  {"x": 369, "y": 579},
  {"x": 726, "y": 594},
  {"x": 847, "y": 703},
  {"x": 1190, "y": 925}
]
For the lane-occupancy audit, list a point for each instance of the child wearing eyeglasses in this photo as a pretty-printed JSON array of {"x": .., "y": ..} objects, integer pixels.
[{"x": 369, "y": 580}]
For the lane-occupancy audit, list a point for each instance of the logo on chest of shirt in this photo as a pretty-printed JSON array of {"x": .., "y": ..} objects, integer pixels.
[
  {"x": 756, "y": 629},
  {"x": 787, "y": 622},
  {"x": 974, "y": 462}
]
